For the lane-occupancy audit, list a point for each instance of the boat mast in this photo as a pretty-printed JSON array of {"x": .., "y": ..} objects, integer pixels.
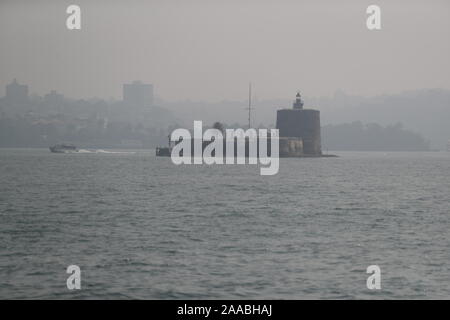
[{"x": 249, "y": 103}]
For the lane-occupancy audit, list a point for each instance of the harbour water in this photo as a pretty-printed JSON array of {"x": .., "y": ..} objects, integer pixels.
[{"x": 140, "y": 227}]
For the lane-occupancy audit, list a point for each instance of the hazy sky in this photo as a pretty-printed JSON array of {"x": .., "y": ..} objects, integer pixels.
[{"x": 209, "y": 50}]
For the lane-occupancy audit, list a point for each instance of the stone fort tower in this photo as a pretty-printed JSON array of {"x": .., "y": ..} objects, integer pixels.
[{"x": 298, "y": 124}]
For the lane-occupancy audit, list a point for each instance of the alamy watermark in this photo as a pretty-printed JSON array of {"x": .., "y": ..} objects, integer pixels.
[
  {"x": 374, "y": 281},
  {"x": 234, "y": 146},
  {"x": 73, "y": 21},
  {"x": 74, "y": 280}
]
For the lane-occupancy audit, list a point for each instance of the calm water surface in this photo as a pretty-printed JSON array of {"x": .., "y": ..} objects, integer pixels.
[{"x": 140, "y": 227}]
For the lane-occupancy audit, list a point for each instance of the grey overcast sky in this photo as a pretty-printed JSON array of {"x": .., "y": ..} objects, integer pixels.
[{"x": 209, "y": 50}]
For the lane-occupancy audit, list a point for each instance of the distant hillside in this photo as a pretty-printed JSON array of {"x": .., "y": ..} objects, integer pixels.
[
  {"x": 371, "y": 137},
  {"x": 424, "y": 111}
]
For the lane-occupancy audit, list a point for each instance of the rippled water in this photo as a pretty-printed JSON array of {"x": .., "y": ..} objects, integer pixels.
[{"x": 140, "y": 227}]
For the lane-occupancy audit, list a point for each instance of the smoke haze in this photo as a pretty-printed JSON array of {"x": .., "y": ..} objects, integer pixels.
[{"x": 210, "y": 50}]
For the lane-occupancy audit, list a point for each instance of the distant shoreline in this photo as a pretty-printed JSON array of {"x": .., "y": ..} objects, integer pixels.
[{"x": 326, "y": 155}]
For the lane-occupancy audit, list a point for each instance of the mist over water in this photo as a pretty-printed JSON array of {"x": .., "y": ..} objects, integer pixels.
[{"x": 140, "y": 227}]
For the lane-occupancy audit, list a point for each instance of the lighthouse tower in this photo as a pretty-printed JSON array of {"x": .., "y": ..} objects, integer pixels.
[
  {"x": 298, "y": 103},
  {"x": 301, "y": 124}
]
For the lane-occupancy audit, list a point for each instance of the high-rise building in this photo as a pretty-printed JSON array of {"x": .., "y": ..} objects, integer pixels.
[
  {"x": 53, "y": 102},
  {"x": 138, "y": 94},
  {"x": 16, "y": 94}
]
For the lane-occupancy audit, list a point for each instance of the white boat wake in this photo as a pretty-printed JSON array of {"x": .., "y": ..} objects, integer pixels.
[{"x": 104, "y": 151}]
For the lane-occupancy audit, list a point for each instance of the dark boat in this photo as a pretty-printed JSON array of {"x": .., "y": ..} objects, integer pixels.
[
  {"x": 63, "y": 148},
  {"x": 164, "y": 151}
]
